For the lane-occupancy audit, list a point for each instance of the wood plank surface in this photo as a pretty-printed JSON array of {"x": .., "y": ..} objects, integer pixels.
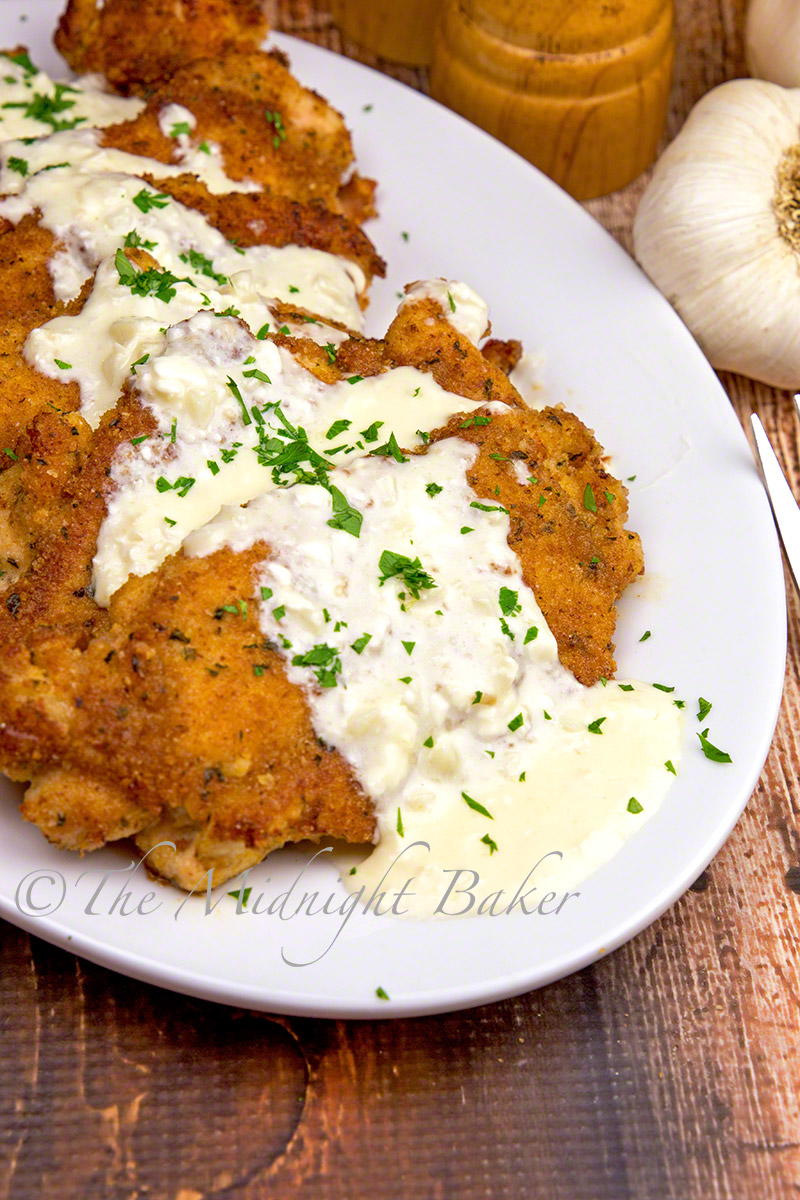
[{"x": 669, "y": 1071}]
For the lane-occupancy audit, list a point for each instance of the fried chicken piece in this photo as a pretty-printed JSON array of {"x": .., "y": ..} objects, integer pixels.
[
  {"x": 134, "y": 44},
  {"x": 271, "y": 129},
  {"x": 169, "y": 716}
]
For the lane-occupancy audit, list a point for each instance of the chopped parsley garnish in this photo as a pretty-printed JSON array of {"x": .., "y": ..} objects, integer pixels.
[
  {"x": 360, "y": 644},
  {"x": 645, "y": 635},
  {"x": 476, "y": 699},
  {"x": 487, "y": 841},
  {"x": 19, "y": 165},
  {"x": 62, "y": 366},
  {"x": 405, "y": 679},
  {"x": 476, "y": 806},
  {"x": 370, "y": 434},
  {"x": 266, "y": 593},
  {"x": 634, "y": 806},
  {"x": 703, "y": 708},
  {"x": 610, "y": 497},
  {"x": 233, "y": 387},
  {"x": 325, "y": 661},
  {"x": 145, "y": 200},
  {"x": 180, "y": 127},
  {"x": 477, "y": 420},
  {"x": 330, "y": 351},
  {"x": 390, "y": 449},
  {"x": 589, "y": 501},
  {"x": 151, "y": 282},
  {"x": 132, "y": 239},
  {"x": 428, "y": 742},
  {"x": 516, "y": 722},
  {"x": 679, "y": 703},
  {"x": 409, "y": 570},
  {"x": 280, "y": 612},
  {"x": 669, "y": 764},
  {"x": 182, "y": 485},
  {"x": 451, "y": 302},
  {"x": 336, "y": 428},
  {"x": 467, "y": 529},
  {"x": 409, "y": 647},
  {"x": 531, "y": 635},
  {"x": 23, "y": 60},
  {"x": 400, "y": 829},
  {"x": 547, "y": 716},
  {"x": 212, "y": 466},
  {"x": 433, "y": 489},
  {"x": 276, "y": 121},
  {"x": 203, "y": 265},
  {"x": 263, "y": 331},
  {"x": 711, "y": 751},
  {"x": 139, "y": 363},
  {"x": 345, "y": 517},
  {"x": 594, "y": 726},
  {"x": 523, "y": 775},
  {"x": 662, "y": 687},
  {"x": 505, "y": 628},
  {"x": 405, "y": 235},
  {"x": 625, "y": 687},
  {"x": 137, "y": 441},
  {"x": 509, "y": 602},
  {"x": 380, "y": 992},
  {"x": 488, "y": 507},
  {"x": 242, "y": 895},
  {"x": 46, "y": 108},
  {"x": 356, "y": 379}
]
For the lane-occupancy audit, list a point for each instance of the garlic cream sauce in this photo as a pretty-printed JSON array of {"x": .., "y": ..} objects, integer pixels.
[{"x": 391, "y": 591}]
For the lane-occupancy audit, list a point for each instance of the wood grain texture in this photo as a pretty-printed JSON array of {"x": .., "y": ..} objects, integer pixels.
[{"x": 669, "y": 1071}]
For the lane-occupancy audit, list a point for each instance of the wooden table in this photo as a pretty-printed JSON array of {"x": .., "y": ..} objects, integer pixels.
[{"x": 669, "y": 1071}]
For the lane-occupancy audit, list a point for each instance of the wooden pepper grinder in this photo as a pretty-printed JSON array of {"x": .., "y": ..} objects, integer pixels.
[
  {"x": 400, "y": 30},
  {"x": 579, "y": 87}
]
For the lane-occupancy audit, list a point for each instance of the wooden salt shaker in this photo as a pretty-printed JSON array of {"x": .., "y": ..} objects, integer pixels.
[
  {"x": 400, "y": 30},
  {"x": 579, "y": 87}
]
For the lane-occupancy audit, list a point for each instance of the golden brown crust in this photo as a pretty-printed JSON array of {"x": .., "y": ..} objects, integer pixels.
[
  {"x": 272, "y": 130},
  {"x": 134, "y": 44}
]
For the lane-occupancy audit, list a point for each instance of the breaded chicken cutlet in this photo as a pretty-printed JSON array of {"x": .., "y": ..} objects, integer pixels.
[
  {"x": 135, "y": 44},
  {"x": 168, "y": 716}
]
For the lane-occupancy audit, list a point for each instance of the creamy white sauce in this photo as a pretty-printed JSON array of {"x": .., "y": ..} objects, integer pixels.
[
  {"x": 83, "y": 148},
  {"x": 405, "y": 715},
  {"x": 202, "y": 158},
  {"x": 464, "y": 308},
  {"x": 188, "y": 384},
  {"x": 33, "y": 105}
]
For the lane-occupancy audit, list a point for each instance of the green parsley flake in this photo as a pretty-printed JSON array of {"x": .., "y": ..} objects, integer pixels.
[
  {"x": 409, "y": 570},
  {"x": 589, "y": 502},
  {"x": 703, "y": 708},
  {"x": 145, "y": 200},
  {"x": 325, "y": 660},
  {"x": 476, "y": 806},
  {"x": 266, "y": 593},
  {"x": 662, "y": 687},
  {"x": 515, "y": 722},
  {"x": 336, "y": 428},
  {"x": 62, "y": 366},
  {"x": 409, "y": 647},
  {"x": 19, "y": 165},
  {"x": 647, "y": 634},
  {"x": 151, "y": 282},
  {"x": 487, "y": 841},
  {"x": 400, "y": 828},
  {"x": 634, "y": 806},
  {"x": 433, "y": 489},
  {"x": 476, "y": 699},
  {"x": 345, "y": 517},
  {"x": 467, "y": 529},
  {"x": 711, "y": 751},
  {"x": 669, "y": 764},
  {"x": 242, "y": 896},
  {"x": 428, "y": 743},
  {"x": 594, "y": 726},
  {"x": 531, "y": 634},
  {"x": 380, "y": 992},
  {"x": 360, "y": 644},
  {"x": 509, "y": 602}
]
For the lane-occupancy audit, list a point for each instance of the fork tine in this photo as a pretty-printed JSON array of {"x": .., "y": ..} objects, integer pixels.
[{"x": 784, "y": 506}]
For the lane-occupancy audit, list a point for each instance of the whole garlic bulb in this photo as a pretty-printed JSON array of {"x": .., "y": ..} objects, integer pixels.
[
  {"x": 772, "y": 41},
  {"x": 718, "y": 229}
]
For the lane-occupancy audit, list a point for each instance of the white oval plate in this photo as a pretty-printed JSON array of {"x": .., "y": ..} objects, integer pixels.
[{"x": 714, "y": 597}]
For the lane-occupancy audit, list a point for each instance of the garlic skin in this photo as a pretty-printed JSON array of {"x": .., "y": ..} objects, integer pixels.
[
  {"x": 715, "y": 227},
  {"x": 772, "y": 41}
]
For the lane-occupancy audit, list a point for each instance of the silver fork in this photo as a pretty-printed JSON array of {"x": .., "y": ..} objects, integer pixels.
[{"x": 784, "y": 505}]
